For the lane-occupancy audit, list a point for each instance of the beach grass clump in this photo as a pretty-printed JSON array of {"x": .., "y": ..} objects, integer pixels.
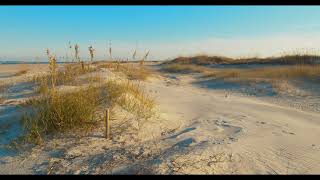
[
  {"x": 131, "y": 97},
  {"x": 66, "y": 76},
  {"x": 3, "y": 90},
  {"x": 60, "y": 112},
  {"x": 56, "y": 111},
  {"x": 108, "y": 65},
  {"x": 131, "y": 71},
  {"x": 291, "y": 72},
  {"x": 21, "y": 72},
  {"x": 136, "y": 73}
]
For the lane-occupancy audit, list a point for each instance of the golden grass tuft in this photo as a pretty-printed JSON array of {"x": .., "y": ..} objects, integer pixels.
[
  {"x": 66, "y": 76},
  {"x": 131, "y": 71},
  {"x": 76, "y": 110},
  {"x": 277, "y": 72},
  {"x": 2, "y": 99},
  {"x": 131, "y": 97},
  {"x": 3, "y": 89},
  {"x": 61, "y": 112},
  {"x": 21, "y": 72}
]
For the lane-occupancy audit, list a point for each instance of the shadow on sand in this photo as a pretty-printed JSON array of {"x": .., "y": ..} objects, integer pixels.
[{"x": 257, "y": 89}]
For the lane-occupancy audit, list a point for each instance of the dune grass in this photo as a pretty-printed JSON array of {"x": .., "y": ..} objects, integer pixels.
[
  {"x": 200, "y": 60},
  {"x": 66, "y": 76},
  {"x": 131, "y": 97},
  {"x": 60, "y": 112},
  {"x": 56, "y": 111},
  {"x": 255, "y": 80},
  {"x": 280, "y": 72},
  {"x": 76, "y": 110},
  {"x": 3, "y": 89},
  {"x": 131, "y": 71},
  {"x": 290, "y": 59},
  {"x": 21, "y": 72},
  {"x": 286, "y": 59},
  {"x": 287, "y": 72}
]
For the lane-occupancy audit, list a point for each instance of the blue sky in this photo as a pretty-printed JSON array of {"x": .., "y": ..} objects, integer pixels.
[{"x": 167, "y": 31}]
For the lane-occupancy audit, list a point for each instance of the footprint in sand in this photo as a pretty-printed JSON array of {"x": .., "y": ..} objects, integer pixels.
[
  {"x": 181, "y": 132},
  {"x": 261, "y": 122},
  {"x": 286, "y": 132},
  {"x": 184, "y": 143}
]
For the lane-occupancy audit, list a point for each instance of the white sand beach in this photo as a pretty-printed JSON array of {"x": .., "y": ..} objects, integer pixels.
[{"x": 196, "y": 130}]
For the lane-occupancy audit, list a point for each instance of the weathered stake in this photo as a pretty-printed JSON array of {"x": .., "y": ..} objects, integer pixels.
[
  {"x": 82, "y": 65},
  {"x": 108, "y": 123}
]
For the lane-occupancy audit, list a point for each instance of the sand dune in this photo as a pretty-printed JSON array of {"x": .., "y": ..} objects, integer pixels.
[{"x": 196, "y": 131}]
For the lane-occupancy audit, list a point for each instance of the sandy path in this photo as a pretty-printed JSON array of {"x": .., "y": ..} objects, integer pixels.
[{"x": 266, "y": 138}]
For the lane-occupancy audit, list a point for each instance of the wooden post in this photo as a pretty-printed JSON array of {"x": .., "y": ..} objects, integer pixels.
[
  {"x": 108, "y": 123},
  {"x": 82, "y": 65}
]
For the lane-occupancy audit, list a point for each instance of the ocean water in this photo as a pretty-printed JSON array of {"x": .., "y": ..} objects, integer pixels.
[{"x": 28, "y": 62}]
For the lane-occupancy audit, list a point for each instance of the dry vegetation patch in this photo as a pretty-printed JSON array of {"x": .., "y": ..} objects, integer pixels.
[
  {"x": 77, "y": 110},
  {"x": 66, "y": 76},
  {"x": 2, "y": 99},
  {"x": 288, "y": 72},
  {"x": 21, "y": 72},
  {"x": 287, "y": 59},
  {"x": 277, "y": 72},
  {"x": 131, "y": 71},
  {"x": 184, "y": 68},
  {"x": 200, "y": 60},
  {"x": 131, "y": 97},
  {"x": 266, "y": 80},
  {"x": 60, "y": 111},
  {"x": 3, "y": 89}
]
